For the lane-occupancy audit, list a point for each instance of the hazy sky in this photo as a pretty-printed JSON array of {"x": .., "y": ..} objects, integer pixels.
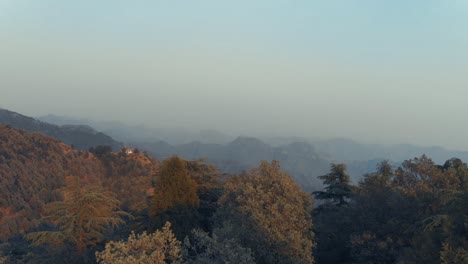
[{"x": 379, "y": 71}]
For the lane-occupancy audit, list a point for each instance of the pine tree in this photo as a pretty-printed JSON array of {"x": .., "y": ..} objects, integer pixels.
[{"x": 338, "y": 185}]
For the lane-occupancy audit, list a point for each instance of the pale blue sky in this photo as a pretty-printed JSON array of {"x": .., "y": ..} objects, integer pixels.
[{"x": 380, "y": 71}]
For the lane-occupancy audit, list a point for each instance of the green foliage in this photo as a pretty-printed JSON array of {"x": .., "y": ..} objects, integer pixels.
[
  {"x": 338, "y": 185},
  {"x": 156, "y": 248},
  {"x": 406, "y": 216}
]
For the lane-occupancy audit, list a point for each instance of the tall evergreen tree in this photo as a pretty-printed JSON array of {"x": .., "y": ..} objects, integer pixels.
[{"x": 338, "y": 185}]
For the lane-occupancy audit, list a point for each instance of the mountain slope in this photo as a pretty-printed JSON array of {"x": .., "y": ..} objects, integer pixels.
[
  {"x": 81, "y": 137},
  {"x": 33, "y": 168}
]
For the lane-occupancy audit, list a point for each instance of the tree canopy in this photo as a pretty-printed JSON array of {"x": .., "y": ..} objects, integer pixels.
[{"x": 269, "y": 213}]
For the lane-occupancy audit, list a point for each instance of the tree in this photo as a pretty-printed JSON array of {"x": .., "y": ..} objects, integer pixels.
[
  {"x": 205, "y": 249},
  {"x": 268, "y": 212},
  {"x": 174, "y": 187},
  {"x": 81, "y": 218},
  {"x": 175, "y": 198},
  {"x": 156, "y": 248},
  {"x": 101, "y": 150},
  {"x": 338, "y": 185},
  {"x": 209, "y": 189},
  {"x": 381, "y": 217},
  {"x": 418, "y": 214}
]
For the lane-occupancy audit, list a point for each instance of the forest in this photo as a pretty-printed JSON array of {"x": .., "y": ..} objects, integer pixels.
[{"x": 63, "y": 205}]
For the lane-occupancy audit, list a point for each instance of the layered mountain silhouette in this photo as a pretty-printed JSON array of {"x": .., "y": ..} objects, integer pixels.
[
  {"x": 303, "y": 158},
  {"x": 143, "y": 133},
  {"x": 79, "y": 136},
  {"x": 299, "y": 159}
]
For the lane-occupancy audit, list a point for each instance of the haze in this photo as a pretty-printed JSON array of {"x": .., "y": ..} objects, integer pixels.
[{"x": 375, "y": 71}]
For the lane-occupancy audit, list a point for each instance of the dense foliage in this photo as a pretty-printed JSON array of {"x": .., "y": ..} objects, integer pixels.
[
  {"x": 417, "y": 213},
  {"x": 60, "y": 205},
  {"x": 267, "y": 212},
  {"x": 156, "y": 248}
]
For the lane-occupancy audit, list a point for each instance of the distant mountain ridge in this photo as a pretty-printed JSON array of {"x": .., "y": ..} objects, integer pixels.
[
  {"x": 143, "y": 133},
  {"x": 80, "y": 136},
  {"x": 298, "y": 159},
  {"x": 305, "y": 157},
  {"x": 349, "y": 150}
]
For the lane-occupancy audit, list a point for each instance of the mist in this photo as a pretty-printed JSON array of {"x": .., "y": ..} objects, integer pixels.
[{"x": 375, "y": 71}]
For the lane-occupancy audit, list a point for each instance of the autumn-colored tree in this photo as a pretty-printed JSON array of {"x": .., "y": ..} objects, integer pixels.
[
  {"x": 81, "y": 218},
  {"x": 338, "y": 185},
  {"x": 419, "y": 177},
  {"x": 173, "y": 187},
  {"x": 160, "y": 247},
  {"x": 269, "y": 213},
  {"x": 175, "y": 198}
]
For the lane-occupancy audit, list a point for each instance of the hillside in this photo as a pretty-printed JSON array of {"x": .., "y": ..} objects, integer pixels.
[
  {"x": 80, "y": 136},
  {"x": 33, "y": 168}
]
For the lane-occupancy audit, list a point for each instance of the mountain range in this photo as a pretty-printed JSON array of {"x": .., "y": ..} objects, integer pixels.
[
  {"x": 139, "y": 133},
  {"x": 303, "y": 158},
  {"x": 79, "y": 136}
]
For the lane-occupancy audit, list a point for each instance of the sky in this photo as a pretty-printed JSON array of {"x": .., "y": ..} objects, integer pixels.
[{"x": 372, "y": 70}]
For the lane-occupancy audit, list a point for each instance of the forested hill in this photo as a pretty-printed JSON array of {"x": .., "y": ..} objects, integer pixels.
[
  {"x": 34, "y": 168},
  {"x": 62, "y": 205},
  {"x": 81, "y": 137}
]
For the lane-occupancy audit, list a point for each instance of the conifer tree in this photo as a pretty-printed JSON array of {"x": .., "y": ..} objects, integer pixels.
[{"x": 338, "y": 185}]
